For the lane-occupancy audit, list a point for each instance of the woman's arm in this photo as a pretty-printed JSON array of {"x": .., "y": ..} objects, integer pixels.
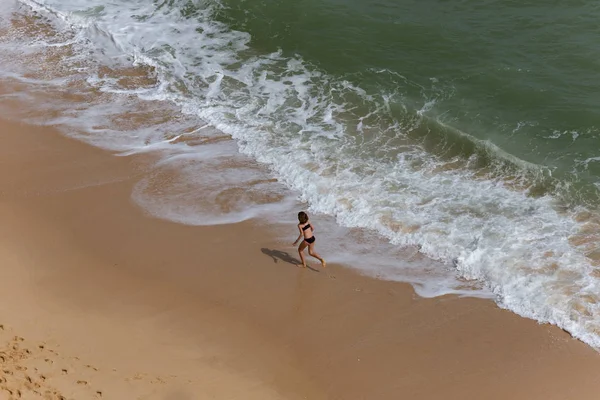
[{"x": 299, "y": 236}]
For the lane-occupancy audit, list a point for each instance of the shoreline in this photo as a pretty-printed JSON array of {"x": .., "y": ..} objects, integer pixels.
[{"x": 159, "y": 309}]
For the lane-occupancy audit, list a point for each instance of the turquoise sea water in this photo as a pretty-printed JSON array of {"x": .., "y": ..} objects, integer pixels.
[{"x": 465, "y": 129}]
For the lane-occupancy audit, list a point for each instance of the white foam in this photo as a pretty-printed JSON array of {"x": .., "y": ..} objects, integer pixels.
[{"x": 343, "y": 150}]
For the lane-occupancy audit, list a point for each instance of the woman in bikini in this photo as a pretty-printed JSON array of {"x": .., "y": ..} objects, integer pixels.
[{"x": 307, "y": 232}]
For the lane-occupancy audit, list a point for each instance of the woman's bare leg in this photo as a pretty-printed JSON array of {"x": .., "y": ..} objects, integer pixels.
[
  {"x": 301, "y": 253},
  {"x": 311, "y": 251}
]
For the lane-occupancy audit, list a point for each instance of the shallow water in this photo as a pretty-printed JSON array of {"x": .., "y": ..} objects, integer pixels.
[{"x": 472, "y": 141}]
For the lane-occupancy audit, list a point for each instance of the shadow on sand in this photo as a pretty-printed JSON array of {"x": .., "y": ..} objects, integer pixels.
[{"x": 278, "y": 255}]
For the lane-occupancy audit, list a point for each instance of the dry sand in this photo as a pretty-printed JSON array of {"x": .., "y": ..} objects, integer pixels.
[{"x": 98, "y": 300}]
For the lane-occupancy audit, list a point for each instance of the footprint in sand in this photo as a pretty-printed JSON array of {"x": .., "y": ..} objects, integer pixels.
[
  {"x": 31, "y": 385},
  {"x": 84, "y": 383},
  {"x": 157, "y": 380},
  {"x": 136, "y": 377},
  {"x": 143, "y": 376},
  {"x": 16, "y": 393}
]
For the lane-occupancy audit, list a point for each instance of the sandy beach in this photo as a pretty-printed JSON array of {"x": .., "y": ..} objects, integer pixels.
[{"x": 99, "y": 300}]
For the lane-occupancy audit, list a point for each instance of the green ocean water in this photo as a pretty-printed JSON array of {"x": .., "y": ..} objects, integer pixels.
[
  {"x": 520, "y": 75},
  {"x": 464, "y": 130}
]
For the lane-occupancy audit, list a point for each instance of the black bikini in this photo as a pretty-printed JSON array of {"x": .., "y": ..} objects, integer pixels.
[{"x": 310, "y": 239}]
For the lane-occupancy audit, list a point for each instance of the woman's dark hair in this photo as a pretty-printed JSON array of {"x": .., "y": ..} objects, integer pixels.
[{"x": 302, "y": 217}]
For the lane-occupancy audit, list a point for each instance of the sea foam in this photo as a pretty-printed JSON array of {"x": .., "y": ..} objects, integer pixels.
[{"x": 342, "y": 149}]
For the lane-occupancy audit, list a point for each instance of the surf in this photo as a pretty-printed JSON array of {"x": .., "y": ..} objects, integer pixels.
[{"x": 363, "y": 159}]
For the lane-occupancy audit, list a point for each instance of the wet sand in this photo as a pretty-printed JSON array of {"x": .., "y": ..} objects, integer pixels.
[{"x": 99, "y": 300}]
